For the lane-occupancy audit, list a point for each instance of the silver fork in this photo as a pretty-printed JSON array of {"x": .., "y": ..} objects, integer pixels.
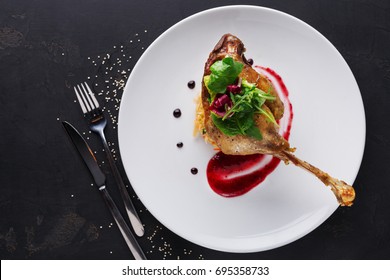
[{"x": 97, "y": 123}]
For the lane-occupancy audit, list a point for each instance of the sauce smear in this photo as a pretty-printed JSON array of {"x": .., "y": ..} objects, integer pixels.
[{"x": 230, "y": 175}]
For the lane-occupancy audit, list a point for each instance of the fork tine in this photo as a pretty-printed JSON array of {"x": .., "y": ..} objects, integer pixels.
[
  {"x": 81, "y": 102},
  {"x": 92, "y": 95},
  {"x": 88, "y": 96},
  {"x": 84, "y": 97}
]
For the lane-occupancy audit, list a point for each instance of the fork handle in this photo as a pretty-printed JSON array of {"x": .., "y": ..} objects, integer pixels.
[
  {"x": 130, "y": 209},
  {"x": 124, "y": 229}
]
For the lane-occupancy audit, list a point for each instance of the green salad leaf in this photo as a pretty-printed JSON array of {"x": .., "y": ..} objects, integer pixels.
[
  {"x": 254, "y": 132},
  {"x": 238, "y": 124},
  {"x": 223, "y": 73}
]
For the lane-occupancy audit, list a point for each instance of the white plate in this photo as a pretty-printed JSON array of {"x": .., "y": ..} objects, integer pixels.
[{"x": 328, "y": 130}]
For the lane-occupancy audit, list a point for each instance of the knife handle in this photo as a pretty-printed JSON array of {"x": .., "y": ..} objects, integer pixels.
[
  {"x": 124, "y": 229},
  {"x": 129, "y": 206}
]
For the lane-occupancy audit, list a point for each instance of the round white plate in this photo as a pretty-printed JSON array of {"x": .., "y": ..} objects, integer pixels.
[{"x": 328, "y": 130}]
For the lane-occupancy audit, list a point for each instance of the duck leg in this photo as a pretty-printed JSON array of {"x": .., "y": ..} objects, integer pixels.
[{"x": 344, "y": 193}]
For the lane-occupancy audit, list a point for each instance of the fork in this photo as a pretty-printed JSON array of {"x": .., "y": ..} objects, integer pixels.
[{"x": 97, "y": 123}]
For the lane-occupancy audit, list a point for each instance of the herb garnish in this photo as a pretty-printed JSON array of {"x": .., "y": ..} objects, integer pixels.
[
  {"x": 233, "y": 111},
  {"x": 223, "y": 73}
]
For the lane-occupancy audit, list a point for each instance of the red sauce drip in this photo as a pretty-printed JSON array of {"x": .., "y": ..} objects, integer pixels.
[{"x": 232, "y": 176}]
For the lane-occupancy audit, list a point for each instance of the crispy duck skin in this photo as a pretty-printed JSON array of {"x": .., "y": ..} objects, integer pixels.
[{"x": 272, "y": 142}]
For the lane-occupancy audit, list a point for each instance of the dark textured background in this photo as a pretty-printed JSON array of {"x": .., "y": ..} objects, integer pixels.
[{"x": 48, "y": 209}]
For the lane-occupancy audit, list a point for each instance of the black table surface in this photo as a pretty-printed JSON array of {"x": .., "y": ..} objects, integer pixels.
[{"x": 48, "y": 46}]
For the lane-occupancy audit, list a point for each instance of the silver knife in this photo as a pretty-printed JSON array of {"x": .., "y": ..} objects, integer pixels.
[{"x": 100, "y": 179}]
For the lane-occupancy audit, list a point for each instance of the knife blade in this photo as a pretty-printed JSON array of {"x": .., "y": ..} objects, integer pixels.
[{"x": 100, "y": 180}]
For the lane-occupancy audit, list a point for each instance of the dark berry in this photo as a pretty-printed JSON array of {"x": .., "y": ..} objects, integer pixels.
[
  {"x": 191, "y": 84},
  {"x": 177, "y": 113}
]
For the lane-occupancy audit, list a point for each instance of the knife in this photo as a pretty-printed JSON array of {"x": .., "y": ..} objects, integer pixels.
[{"x": 100, "y": 180}]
